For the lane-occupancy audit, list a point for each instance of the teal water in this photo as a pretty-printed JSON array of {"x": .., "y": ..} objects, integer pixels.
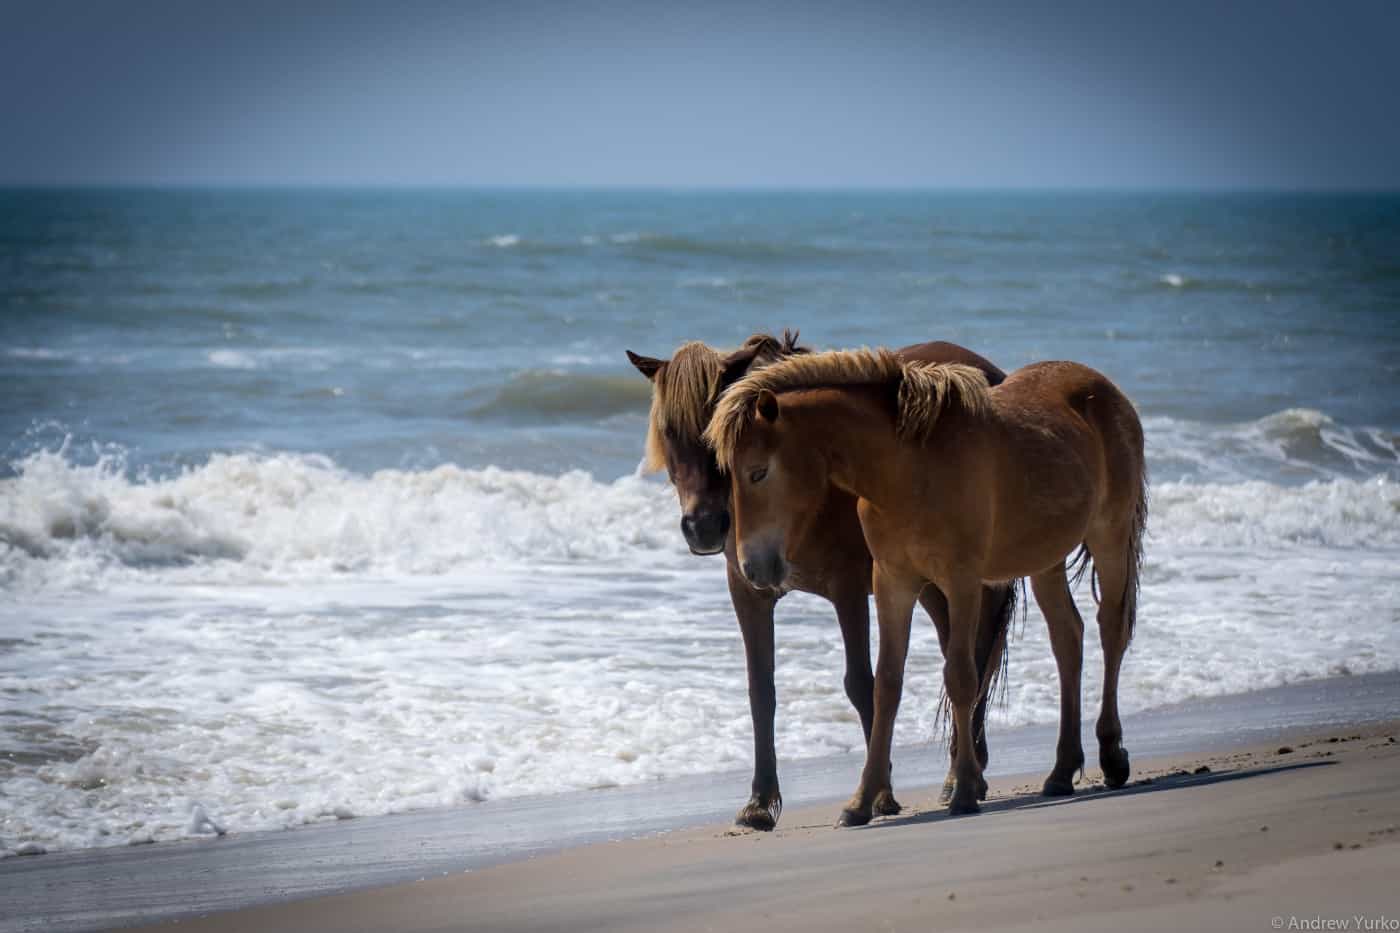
[{"x": 419, "y": 328}]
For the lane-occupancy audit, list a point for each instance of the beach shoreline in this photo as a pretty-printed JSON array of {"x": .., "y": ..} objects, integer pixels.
[
  {"x": 97, "y": 889},
  {"x": 1262, "y": 837}
]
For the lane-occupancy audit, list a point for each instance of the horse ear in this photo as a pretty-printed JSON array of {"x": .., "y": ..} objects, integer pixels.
[
  {"x": 790, "y": 345},
  {"x": 646, "y": 365},
  {"x": 735, "y": 366},
  {"x": 766, "y": 406}
]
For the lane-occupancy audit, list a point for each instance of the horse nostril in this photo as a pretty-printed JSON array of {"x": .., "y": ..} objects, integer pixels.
[
  {"x": 687, "y": 526},
  {"x": 748, "y": 571},
  {"x": 723, "y": 524}
]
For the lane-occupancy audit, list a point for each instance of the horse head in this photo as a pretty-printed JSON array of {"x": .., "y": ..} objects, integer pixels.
[
  {"x": 685, "y": 390},
  {"x": 777, "y": 488}
]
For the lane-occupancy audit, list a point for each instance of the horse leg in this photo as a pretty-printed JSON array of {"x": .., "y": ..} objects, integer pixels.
[
  {"x": 964, "y": 688},
  {"x": 894, "y": 604},
  {"x": 754, "y": 610},
  {"x": 1052, "y": 593},
  {"x": 853, "y": 614},
  {"x": 936, "y": 605},
  {"x": 1114, "y": 632},
  {"x": 998, "y": 603}
]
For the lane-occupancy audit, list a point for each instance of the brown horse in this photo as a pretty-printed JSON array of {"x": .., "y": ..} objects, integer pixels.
[
  {"x": 958, "y": 484},
  {"x": 830, "y": 559}
]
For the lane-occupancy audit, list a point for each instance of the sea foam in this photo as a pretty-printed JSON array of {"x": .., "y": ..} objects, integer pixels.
[{"x": 286, "y": 516}]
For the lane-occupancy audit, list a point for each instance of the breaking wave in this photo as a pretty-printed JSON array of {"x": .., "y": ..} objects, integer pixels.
[
  {"x": 1293, "y": 445},
  {"x": 556, "y": 394},
  {"x": 251, "y": 517},
  {"x": 284, "y": 515}
]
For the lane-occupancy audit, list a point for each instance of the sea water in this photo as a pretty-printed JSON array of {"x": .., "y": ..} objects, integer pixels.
[{"x": 320, "y": 504}]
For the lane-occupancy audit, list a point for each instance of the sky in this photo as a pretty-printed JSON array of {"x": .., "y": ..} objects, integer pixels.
[{"x": 995, "y": 94}]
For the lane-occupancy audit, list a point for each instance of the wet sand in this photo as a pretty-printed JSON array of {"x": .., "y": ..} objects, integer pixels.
[{"x": 1308, "y": 828}]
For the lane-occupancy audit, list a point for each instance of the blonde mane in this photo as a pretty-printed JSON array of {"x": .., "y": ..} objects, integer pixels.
[
  {"x": 687, "y": 387},
  {"x": 925, "y": 391},
  {"x": 682, "y": 397}
]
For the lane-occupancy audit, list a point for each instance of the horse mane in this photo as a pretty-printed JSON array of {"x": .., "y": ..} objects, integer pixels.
[
  {"x": 924, "y": 391},
  {"x": 686, "y": 389}
]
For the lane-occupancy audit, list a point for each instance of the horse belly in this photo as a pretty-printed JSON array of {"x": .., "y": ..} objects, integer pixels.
[
  {"x": 1029, "y": 553},
  {"x": 1043, "y": 521}
]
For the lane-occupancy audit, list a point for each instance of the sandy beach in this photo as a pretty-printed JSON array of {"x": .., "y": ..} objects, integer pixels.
[{"x": 1282, "y": 836}]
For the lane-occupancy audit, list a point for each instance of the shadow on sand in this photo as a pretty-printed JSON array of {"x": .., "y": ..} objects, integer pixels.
[{"x": 1179, "y": 781}]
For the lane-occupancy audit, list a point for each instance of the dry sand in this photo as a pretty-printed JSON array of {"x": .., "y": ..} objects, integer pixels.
[{"x": 1264, "y": 839}]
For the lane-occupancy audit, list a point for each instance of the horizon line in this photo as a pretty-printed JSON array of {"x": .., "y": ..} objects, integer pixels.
[{"x": 565, "y": 188}]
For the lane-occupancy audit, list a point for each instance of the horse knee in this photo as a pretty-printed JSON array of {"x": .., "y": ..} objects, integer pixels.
[
  {"x": 960, "y": 680},
  {"x": 1113, "y": 639},
  {"x": 889, "y": 683},
  {"x": 763, "y": 693},
  {"x": 860, "y": 688}
]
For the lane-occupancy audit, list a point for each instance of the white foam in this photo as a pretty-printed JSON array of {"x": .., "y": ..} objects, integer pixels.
[
  {"x": 1340, "y": 514},
  {"x": 1173, "y": 279},
  {"x": 201, "y": 824},
  {"x": 231, "y": 359},
  {"x": 35, "y": 353},
  {"x": 504, "y": 240},
  {"x": 707, "y": 281},
  {"x": 249, "y": 518},
  {"x": 582, "y": 359}
]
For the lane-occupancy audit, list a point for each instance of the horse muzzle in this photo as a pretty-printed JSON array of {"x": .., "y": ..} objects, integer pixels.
[
  {"x": 706, "y": 534},
  {"x": 766, "y": 570}
]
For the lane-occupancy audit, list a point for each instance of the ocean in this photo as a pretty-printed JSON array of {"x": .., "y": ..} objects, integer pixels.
[{"x": 324, "y": 504}]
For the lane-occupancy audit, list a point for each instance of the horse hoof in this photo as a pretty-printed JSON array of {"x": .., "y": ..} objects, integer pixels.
[
  {"x": 1057, "y": 787},
  {"x": 885, "y": 804},
  {"x": 851, "y": 817},
  {"x": 758, "y": 816},
  {"x": 963, "y": 807},
  {"x": 946, "y": 794},
  {"x": 982, "y": 788},
  {"x": 1115, "y": 767}
]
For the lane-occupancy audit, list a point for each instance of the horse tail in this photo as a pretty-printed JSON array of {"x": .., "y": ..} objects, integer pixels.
[
  {"x": 1080, "y": 563},
  {"x": 1135, "y": 536},
  {"x": 1012, "y": 595},
  {"x": 994, "y": 639}
]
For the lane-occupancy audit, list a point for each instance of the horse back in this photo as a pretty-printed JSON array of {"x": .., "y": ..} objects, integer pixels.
[
  {"x": 1074, "y": 401},
  {"x": 941, "y": 351}
]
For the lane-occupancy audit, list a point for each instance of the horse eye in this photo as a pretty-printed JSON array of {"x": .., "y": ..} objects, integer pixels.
[{"x": 756, "y": 476}]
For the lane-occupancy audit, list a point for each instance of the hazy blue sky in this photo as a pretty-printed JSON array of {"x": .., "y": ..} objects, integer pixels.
[{"x": 981, "y": 94}]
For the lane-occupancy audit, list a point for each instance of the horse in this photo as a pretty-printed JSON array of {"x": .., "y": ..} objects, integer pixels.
[
  {"x": 959, "y": 484},
  {"x": 829, "y": 560}
]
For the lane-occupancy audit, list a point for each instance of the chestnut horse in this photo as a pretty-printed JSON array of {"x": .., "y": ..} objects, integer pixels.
[
  {"x": 830, "y": 560},
  {"x": 958, "y": 484}
]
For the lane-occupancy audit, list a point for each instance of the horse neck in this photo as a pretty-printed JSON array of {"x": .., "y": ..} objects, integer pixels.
[{"x": 853, "y": 430}]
